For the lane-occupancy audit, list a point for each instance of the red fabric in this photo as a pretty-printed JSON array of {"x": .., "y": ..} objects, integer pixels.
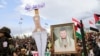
[
  {"x": 75, "y": 28},
  {"x": 78, "y": 23},
  {"x": 90, "y": 22},
  {"x": 96, "y": 17},
  {"x": 75, "y": 20}
]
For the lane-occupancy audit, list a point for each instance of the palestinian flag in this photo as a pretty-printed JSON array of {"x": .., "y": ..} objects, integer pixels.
[
  {"x": 77, "y": 28},
  {"x": 97, "y": 18},
  {"x": 92, "y": 26}
]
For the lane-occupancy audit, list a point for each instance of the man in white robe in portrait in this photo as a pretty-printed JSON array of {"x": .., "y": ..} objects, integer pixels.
[{"x": 65, "y": 42}]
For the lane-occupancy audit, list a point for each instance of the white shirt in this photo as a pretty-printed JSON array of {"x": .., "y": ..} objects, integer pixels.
[
  {"x": 59, "y": 47},
  {"x": 91, "y": 53}
]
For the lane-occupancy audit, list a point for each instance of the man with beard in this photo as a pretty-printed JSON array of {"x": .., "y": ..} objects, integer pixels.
[
  {"x": 64, "y": 42},
  {"x": 4, "y": 41}
]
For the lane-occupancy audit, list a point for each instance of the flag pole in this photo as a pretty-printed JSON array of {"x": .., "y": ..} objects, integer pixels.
[{"x": 83, "y": 39}]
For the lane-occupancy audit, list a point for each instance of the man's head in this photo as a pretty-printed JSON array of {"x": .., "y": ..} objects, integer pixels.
[
  {"x": 4, "y": 31},
  {"x": 63, "y": 33}
]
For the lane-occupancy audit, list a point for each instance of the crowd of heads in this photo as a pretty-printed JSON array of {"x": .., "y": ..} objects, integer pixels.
[
  {"x": 23, "y": 46},
  {"x": 92, "y": 40},
  {"x": 18, "y": 46},
  {"x": 15, "y": 46}
]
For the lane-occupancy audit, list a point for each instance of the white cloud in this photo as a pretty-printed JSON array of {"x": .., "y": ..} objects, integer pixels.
[
  {"x": 61, "y": 11},
  {"x": 18, "y": 30}
]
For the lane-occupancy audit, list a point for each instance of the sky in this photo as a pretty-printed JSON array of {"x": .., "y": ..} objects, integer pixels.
[{"x": 54, "y": 12}]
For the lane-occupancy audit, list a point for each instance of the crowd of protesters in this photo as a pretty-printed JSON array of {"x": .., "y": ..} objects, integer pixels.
[
  {"x": 24, "y": 46},
  {"x": 92, "y": 40},
  {"x": 16, "y": 46},
  {"x": 93, "y": 43}
]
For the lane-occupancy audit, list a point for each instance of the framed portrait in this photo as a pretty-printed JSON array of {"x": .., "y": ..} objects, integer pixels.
[{"x": 63, "y": 38}]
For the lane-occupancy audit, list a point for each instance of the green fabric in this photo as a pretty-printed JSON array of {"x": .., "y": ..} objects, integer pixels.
[
  {"x": 78, "y": 35},
  {"x": 98, "y": 22}
]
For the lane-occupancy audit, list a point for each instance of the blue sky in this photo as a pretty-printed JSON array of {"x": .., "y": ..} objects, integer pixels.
[
  {"x": 10, "y": 17},
  {"x": 54, "y": 12}
]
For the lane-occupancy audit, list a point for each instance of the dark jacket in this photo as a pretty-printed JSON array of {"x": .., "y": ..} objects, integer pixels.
[
  {"x": 4, "y": 49},
  {"x": 96, "y": 50}
]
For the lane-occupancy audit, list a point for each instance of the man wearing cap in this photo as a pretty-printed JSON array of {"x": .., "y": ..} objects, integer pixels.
[{"x": 4, "y": 41}]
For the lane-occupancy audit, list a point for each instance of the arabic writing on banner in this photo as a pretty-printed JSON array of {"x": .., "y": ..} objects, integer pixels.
[{"x": 31, "y": 7}]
